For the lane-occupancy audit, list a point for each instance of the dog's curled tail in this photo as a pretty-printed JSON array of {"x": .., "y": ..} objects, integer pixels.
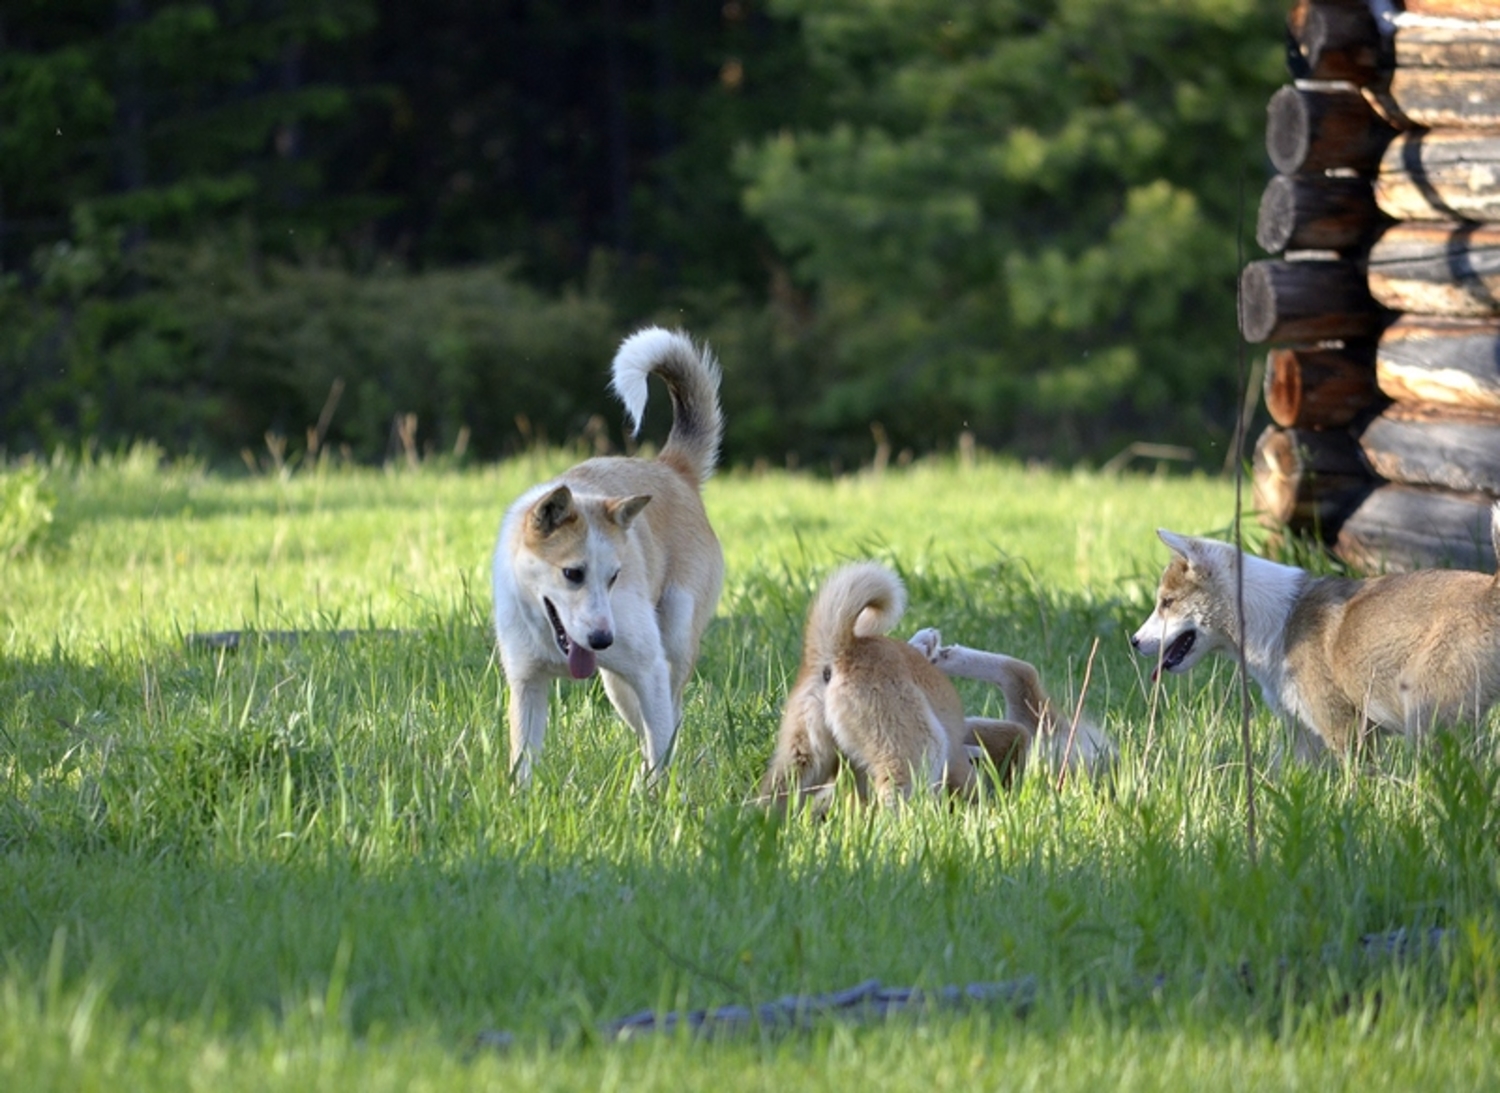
[
  {"x": 858, "y": 601},
  {"x": 692, "y": 378}
]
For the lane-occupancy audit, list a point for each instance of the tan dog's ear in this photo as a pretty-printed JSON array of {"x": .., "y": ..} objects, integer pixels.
[
  {"x": 553, "y": 512},
  {"x": 624, "y": 510}
]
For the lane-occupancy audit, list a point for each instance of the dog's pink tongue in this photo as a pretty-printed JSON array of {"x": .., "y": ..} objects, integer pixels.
[{"x": 581, "y": 661}]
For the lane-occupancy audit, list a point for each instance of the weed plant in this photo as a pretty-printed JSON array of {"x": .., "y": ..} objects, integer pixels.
[{"x": 298, "y": 863}]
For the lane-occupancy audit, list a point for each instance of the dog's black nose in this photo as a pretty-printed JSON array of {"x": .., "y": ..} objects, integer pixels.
[
  {"x": 600, "y": 639},
  {"x": 1135, "y": 642}
]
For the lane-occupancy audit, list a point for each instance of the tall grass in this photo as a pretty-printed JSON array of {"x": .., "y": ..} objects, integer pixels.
[{"x": 299, "y": 863}]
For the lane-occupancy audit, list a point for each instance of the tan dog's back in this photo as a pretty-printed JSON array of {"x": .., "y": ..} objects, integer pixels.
[
  {"x": 674, "y": 532},
  {"x": 1407, "y": 649},
  {"x": 897, "y": 717}
]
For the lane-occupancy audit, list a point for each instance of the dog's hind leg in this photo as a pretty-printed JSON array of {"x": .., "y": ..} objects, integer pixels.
[
  {"x": 1003, "y": 744},
  {"x": 1025, "y": 701},
  {"x": 1066, "y": 744},
  {"x": 899, "y": 741},
  {"x": 806, "y": 757},
  {"x": 1307, "y": 746}
]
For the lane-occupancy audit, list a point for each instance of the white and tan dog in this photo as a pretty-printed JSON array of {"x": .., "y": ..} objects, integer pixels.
[
  {"x": 889, "y": 709},
  {"x": 1334, "y": 656},
  {"x": 613, "y": 565}
]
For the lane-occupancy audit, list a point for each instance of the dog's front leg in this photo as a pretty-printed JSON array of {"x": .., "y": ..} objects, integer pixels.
[
  {"x": 1307, "y": 745},
  {"x": 679, "y": 640},
  {"x": 527, "y": 713},
  {"x": 644, "y": 701},
  {"x": 961, "y": 662},
  {"x": 928, "y": 642}
]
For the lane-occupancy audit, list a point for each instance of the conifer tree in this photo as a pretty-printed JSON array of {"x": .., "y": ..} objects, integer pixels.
[{"x": 1022, "y": 219}]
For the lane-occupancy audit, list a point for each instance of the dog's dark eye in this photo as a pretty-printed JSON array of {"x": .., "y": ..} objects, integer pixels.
[
  {"x": 1166, "y": 602},
  {"x": 614, "y": 578},
  {"x": 573, "y": 574}
]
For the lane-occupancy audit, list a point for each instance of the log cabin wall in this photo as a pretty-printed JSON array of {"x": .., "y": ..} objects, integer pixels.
[{"x": 1381, "y": 309}]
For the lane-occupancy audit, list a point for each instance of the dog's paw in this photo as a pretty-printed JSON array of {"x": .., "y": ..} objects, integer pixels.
[{"x": 928, "y": 642}]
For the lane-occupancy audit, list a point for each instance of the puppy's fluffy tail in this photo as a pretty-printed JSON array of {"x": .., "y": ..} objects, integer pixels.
[
  {"x": 692, "y": 378},
  {"x": 857, "y": 601}
]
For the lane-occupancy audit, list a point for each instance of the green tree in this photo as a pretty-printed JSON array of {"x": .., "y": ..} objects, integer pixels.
[
  {"x": 1023, "y": 220},
  {"x": 158, "y": 116}
]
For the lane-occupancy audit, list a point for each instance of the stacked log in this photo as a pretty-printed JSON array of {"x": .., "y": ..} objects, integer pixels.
[{"x": 1381, "y": 308}]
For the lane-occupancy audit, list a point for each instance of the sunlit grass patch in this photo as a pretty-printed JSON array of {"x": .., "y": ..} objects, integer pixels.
[{"x": 299, "y": 860}]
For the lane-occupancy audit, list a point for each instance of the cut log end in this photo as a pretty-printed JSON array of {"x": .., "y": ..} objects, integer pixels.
[
  {"x": 1288, "y": 130},
  {"x": 1309, "y": 131},
  {"x": 1342, "y": 43},
  {"x": 1321, "y": 388},
  {"x": 1296, "y": 303},
  {"x": 1308, "y": 480},
  {"x": 1321, "y": 213},
  {"x": 1257, "y": 303}
]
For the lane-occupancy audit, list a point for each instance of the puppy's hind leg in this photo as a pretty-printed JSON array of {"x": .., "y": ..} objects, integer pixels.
[
  {"x": 1066, "y": 743},
  {"x": 1004, "y": 744},
  {"x": 1026, "y": 703},
  {"x": 806, "y": 756}
]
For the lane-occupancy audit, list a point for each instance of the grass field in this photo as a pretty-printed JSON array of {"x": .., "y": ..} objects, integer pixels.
[{"x": 299, "y": 864}]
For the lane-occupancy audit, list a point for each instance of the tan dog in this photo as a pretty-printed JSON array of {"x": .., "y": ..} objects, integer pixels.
[
  {"x": 1063, "y": 745},
  {"x": 1335, "y": 657},
  {"x": 613, "y": 565},
  {"x": 875, "y": 702}
]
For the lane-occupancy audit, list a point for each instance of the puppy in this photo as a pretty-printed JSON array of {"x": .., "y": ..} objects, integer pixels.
[
  {"x": 874, "y": 702},
  {"x": 613, "y": 567},
  {"x": 1334, "y": 657},
  {"x": 1064, "y": 746}
]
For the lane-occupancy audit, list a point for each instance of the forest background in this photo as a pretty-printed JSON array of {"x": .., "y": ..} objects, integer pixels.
[{"x": 295, "y": 227}]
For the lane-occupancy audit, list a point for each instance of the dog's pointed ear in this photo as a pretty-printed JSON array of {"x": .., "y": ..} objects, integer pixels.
[
  {"x": 1206, "y": 556},
  {"x": 553, "y": 512},
  {"x": 1180, "y": 545},
  {"x": 624, "y": 510}
]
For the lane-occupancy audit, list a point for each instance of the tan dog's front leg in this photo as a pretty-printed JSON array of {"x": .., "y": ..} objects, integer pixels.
[
  {"x": 645, "y": 704},
  {"x": 527, "y": 714}
]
